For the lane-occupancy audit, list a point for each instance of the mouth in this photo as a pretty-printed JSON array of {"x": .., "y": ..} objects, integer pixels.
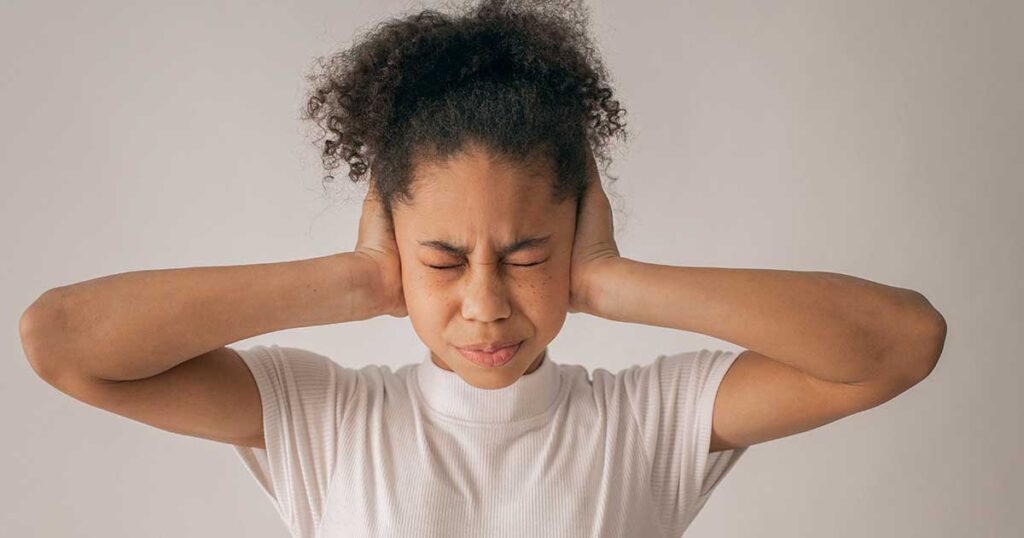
[{"x": 491, "y": 359}]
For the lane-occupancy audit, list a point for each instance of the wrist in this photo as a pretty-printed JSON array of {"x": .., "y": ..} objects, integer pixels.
[
  {"x": 379, "y": 286},
  {"x": 363, "y": 297},
  {"x": 604, "y": 282}
]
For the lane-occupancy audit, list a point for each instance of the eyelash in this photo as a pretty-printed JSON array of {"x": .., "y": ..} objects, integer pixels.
[{"x": 512, "y": 264}]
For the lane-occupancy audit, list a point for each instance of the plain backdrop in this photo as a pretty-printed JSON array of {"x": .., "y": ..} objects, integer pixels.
[{"x": 878, "y": 139}]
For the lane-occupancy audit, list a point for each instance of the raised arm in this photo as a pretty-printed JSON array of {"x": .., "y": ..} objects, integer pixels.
[
  {"x": 149, "y": 345},
  {"x": 134, "y": 325},
  {"x": 819, "y": 346}
]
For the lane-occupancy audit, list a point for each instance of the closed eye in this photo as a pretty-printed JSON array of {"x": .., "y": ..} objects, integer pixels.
[{"x": 512, "y": 264}]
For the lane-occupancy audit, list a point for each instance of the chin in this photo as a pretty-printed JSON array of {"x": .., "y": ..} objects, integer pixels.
[{"x": 492, "y": 381}]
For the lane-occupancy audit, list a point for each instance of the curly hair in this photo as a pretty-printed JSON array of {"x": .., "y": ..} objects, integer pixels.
[{"x": 520, "y": 77}]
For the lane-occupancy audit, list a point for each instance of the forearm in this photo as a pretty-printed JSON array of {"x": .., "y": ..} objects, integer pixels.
[
  {"x": 138, "y": 324},
  {"x": 832, "y": 326}
]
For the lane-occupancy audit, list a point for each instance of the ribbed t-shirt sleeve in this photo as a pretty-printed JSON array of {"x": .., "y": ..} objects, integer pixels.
[
  {"x": 673, "y": 399},
  {"x": 303, "y": 397}
]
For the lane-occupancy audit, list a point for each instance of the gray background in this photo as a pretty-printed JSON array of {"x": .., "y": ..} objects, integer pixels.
[{"x": 877, "y": 139}]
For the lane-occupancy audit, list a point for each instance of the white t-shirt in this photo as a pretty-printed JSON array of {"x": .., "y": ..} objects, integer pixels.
[{"x": 418, "y": 452}]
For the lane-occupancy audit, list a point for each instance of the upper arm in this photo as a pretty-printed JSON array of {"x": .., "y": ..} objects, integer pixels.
[
  {"x": 761, "y": 399},
  {"x": 212, "y": 396}
]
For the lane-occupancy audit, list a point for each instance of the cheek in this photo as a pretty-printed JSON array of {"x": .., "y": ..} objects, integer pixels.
[
  {"x": 423, "y": 294},
  {"x": 428, "y": 312},
  {"x": 544, "y": 299}
]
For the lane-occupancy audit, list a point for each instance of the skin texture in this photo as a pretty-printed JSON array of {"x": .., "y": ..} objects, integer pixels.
[
  {"x": 480, "y": 202},
  {"x": 411, "y": 104}
]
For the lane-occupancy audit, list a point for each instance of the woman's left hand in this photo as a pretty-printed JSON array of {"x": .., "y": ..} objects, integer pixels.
[{"x": 594, "y": 243}]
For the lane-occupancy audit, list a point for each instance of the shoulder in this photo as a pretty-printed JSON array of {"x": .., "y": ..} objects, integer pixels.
[{"x": 305, "y": 371}]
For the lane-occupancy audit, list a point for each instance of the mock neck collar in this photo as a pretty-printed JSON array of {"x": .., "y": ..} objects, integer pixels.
[{"x": 448, "y": 394}]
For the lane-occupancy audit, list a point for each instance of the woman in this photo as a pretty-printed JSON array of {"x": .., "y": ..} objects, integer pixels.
[{"x": 485, "y": 222}]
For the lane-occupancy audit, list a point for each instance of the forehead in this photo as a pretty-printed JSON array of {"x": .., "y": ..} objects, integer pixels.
[{"x": 474, "y": 190}]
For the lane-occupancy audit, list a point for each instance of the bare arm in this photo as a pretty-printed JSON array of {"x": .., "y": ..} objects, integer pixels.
[
  {"x": 134, "y": 325},
  {"x": 820, "y": 346},
  {"x": 835, "y": 327},
  {"x": 149, "y": 345}
]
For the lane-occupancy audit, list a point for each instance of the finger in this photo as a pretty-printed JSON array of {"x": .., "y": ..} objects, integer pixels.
[
  {"x": 371, "y": 188},
  {"x": 595, "y": 197},
  {"x": 375, "y": 205},
  {"x": 591, "y": 162},
  {"x": 373, "y": 201},
  {"x": 593, "y": 176}
]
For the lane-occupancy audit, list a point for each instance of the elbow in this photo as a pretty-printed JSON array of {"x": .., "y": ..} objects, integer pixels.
[
  {"x": 935, "y": 340},
  {"x": 922, "y": 340},
  {"x": 36, "y": 331},
  {"x": 28, "y": 330}
]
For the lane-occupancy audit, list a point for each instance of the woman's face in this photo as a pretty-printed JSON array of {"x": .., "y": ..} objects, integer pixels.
[{"x": 464, "y": 211}]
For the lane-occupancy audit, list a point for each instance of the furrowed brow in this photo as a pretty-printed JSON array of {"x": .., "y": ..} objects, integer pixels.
[{"x": 457, "y": 250}]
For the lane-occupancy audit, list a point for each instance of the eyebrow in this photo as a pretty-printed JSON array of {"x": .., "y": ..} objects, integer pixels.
[{"x": 518, "y": 245}]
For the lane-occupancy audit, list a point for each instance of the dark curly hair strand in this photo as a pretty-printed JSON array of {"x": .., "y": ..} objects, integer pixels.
[{"x": 520, "y": 77}]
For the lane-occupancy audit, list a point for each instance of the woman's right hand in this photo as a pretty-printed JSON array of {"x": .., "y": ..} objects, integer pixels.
[{"x": 377, "y": 244}]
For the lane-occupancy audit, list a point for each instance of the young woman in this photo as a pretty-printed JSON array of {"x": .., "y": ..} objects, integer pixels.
[{"x": 485, "y": 222}]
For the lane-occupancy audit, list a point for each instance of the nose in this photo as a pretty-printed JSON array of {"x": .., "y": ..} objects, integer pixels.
[{"x": 486, "y": 297}]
